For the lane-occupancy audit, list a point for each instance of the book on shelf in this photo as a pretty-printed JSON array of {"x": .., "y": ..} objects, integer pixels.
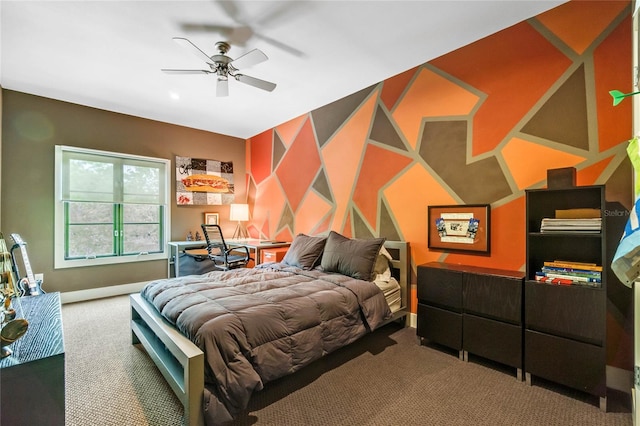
[
  {"x": 567, "y": 280},
  {"x": 559, "y": 281},
  {"x": 572, "y": 271},
  {"x": 578, "y": 213},
  {"x": 572, "y": 277},
  {"x": 571, "y": 225},
  {"x": 573, "y": 265}
]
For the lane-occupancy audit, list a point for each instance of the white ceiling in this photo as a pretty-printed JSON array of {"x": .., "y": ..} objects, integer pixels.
[{"x": 108, "y": 54}]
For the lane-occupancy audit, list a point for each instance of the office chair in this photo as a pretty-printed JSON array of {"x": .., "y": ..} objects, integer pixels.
[{"x": 223, "y": 256}]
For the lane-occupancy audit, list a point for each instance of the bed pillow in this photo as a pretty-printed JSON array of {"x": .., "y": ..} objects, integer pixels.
[
  {"x": 350, "y": 256},
  {"x": 305, "y": 251},
  {"x": 382, "y": 261}
]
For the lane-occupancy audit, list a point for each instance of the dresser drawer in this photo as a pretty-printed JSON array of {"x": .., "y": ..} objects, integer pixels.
[
  {"x": 493, "y": 296},
  {"x": 440, "y": 326},
  {"x": 494, "y": 340},
  {"x": 440, "y": 287}
]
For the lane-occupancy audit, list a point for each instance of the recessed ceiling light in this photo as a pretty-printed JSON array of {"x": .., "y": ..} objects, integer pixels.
[{"x": 174, "y": 95}]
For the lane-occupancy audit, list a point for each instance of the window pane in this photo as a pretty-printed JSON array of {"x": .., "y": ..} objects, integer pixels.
[
  {"x": 141, "y": 184},
  {"x": 90, "y": 213},
  {"x": 90, "y": 180},
  {"x": 139, "y": 238},
  {"x": 109, "y": 207},
  {"x": 90, "y": 240},
  {"x": 141, "y": 213}
]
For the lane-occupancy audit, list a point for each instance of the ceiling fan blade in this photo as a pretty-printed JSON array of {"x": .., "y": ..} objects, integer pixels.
[
  {"x": 249, "y": 59},
  {"x": 170, "y": 71},
  {"x": 256, "y": 82},
  {"x": 193, "y": 48},
  {"x": 206, "y": 28},
  {"x": 236, "y": 36},
  {"x": 280, "y": 45},
  {"x": 231, "y": 9},
  {"x": 222, "y": 87}
]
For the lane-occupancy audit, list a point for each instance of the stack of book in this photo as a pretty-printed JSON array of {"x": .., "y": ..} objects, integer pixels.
[
  {"x": 593, "y": 225},
  {"x": 570, "y": 273},
  {"x": 573, "y": 220}
]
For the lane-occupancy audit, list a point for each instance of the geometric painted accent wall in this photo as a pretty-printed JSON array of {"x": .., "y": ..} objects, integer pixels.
[
  {"x": 481, "y": 124},
  {"x": 478, "y": 125}
]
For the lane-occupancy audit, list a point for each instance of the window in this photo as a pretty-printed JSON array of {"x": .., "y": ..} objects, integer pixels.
[{"x": 110, "y": 207}]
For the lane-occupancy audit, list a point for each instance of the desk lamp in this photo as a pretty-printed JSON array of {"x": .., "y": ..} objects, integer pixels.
[{"x": 240, "y": 213}]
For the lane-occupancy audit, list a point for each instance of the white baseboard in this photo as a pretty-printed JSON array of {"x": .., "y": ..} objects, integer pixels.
[
  {"x": 99, "y": 293},
  {"x": 413, "y": 320},
  {"x": 619, "y": 379}
]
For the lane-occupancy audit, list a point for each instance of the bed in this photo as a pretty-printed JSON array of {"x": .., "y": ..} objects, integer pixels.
[{"x": 220, "y": 336}]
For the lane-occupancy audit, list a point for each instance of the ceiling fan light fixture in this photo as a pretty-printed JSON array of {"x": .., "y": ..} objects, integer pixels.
[{"x": 222, "y": 88}]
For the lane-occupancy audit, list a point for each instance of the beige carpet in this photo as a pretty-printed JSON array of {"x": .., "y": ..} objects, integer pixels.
[
  {"x": 386, "y": 378},
  {"x": 109, "y": 381}
]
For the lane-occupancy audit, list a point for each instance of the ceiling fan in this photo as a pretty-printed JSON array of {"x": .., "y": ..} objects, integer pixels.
[
  {"x": 224, "y": 67},
  {"x": 244, "y": 27}
]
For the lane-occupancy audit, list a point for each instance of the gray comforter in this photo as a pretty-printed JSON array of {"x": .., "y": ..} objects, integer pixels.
[{"x": 256, "y": 325}]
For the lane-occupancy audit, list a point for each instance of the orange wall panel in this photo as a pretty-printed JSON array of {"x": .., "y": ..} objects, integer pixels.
[{"x": 489, "y": 119}]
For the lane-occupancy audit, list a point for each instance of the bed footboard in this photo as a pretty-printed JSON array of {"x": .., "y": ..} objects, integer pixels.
[{"x": 178, "y": 359}]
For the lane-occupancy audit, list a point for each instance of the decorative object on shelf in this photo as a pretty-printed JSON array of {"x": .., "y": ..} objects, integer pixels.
[
  {"x": 189, "y": 236},
  {"x": 28, "y": 285},
  {"x": 561, "y": 178},
  {"x": 211, "y": 219},
  {"x": 12, "y": 331},
  {"x": 203, "y": 182},
  {"x": 239, "y": 213},
  {"x": 459, "y": 227},
  {"x": 7, "y": 311},
  {"x": 198, "y": 236},
  {"x": 7, "y": 278},
  {"x": 618, "y": 96}
]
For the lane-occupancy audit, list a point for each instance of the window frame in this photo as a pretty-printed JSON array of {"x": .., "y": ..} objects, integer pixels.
[{"x": 60, "y": 238}]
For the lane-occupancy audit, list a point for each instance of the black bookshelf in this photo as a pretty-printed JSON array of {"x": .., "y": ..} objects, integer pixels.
[{"x": 565, "y": 325}]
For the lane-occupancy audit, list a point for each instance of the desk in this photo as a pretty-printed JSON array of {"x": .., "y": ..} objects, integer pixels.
[
  {"x": 175, "y": 248},
  {"x": 254, "y": 245},
  {"x": 32, "y": 378}
]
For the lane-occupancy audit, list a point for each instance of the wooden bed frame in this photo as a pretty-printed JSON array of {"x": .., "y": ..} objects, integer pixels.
[{"x": 181, "y": 362}]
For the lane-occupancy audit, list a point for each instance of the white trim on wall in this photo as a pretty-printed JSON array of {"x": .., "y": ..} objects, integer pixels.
[{"x": 102, "y": 292}]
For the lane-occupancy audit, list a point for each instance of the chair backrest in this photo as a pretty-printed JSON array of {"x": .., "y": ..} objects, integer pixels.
[
  {"x": 215, "y": 240},
  {"x": 223, "y": 256}
]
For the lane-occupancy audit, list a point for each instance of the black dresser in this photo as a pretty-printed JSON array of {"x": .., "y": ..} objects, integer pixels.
[{"x": 472, "y": 310}]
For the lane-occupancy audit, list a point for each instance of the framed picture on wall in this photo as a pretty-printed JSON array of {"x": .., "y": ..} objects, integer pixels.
[
  {"x": 211, "y": 218},
  {"x": 462, "y": 227}
]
